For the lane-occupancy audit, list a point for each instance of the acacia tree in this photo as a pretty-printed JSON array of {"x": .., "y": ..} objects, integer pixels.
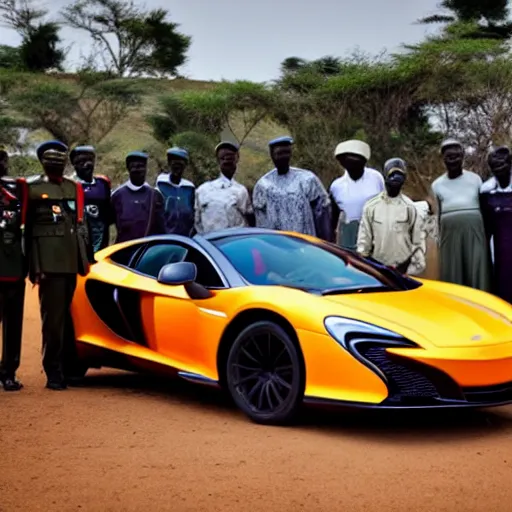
[
  {"x": 238, "y": 107},
  {"x": 83, "y": 112},
  {"x": 197, "y": 120},
  {"x": 40, "y": 48},
  {"x": 130, "y": 40}
]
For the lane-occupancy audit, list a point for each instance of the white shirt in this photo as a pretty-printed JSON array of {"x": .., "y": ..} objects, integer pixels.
[
  {"x": 221, "y": 204},
  {"x": 492, "y": 186},
  {"x": 351, "y": 196},
  {"x": 391, "y": 231}
]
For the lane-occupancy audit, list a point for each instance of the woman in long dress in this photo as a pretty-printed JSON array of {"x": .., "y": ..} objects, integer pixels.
[{"x": 464, "y": 255}]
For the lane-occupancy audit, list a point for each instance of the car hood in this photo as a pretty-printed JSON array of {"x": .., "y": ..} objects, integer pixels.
[{"x": 443, "y": 319}]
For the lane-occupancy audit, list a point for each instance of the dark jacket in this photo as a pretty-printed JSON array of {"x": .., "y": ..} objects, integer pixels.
[
  {"x": 54, "y": 223},
  {"x": 13, "y": 204},
  {"x": 137, "y": 213}
]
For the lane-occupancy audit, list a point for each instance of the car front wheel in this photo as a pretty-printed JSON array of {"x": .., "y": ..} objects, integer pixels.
[{"x": 264, "y": 374}]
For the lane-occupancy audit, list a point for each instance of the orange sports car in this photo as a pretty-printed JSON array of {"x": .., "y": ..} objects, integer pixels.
[{"x": 278, "y": 319}]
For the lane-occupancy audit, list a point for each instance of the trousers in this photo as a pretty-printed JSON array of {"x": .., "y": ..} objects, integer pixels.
[
  {"x": 59, "y": 350},
  {"x": 12, "y": 302}
]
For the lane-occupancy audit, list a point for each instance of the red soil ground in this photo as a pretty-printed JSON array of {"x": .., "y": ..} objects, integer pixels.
[{"x": 132, "y": 443}]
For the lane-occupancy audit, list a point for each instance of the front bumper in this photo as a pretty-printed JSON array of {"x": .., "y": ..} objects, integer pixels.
[
  {"x": 432, "y": 404},
  {"x": 416, "y": 383}
]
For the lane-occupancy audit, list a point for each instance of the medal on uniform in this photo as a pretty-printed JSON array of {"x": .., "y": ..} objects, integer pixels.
[{"x": 56, "y": 212}]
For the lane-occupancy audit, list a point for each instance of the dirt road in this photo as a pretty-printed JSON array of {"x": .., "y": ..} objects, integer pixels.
[{"x": 129, "y": 443}]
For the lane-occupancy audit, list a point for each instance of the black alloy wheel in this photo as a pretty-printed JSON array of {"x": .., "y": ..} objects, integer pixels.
[{"x": 264, "y": 374}]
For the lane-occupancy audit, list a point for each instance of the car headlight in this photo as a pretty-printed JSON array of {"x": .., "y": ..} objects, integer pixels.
[
  {"x": 354, "y": 336},
  {"x": 346, "y": 331}
]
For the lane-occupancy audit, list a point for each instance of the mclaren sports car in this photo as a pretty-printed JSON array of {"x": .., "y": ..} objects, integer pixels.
[{"x": 280, "y": 319}]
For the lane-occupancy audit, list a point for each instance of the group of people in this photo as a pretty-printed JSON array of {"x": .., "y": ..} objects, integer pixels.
[
  {"x": 476, "y": 233},
  {"x": 51, "y": 225}
]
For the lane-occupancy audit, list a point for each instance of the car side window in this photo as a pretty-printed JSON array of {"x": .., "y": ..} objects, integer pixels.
[
  {"x": 124, "y": 256},
  {"x": 157, "y": 256},
  {"x": 207, "y": 276}
]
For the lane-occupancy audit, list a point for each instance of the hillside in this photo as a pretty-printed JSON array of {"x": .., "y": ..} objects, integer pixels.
[{"x": 134, "y": 133}]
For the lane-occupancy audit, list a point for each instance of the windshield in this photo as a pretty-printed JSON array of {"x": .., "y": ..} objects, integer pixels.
[{"x": 276, "y": 259}]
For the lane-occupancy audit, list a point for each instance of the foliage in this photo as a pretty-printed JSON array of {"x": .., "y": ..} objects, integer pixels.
[
  {"x": 85, "y": 112},
  {"x": 211, "y": 112},
  {"x": 40, "y": 47},
  {"x": 203, "y": 165},
  {"x": 24, "y": 165},
  {"x": 40, "y": 50},
  {"x": 130, "y": 40},
  {"x": 8, "y": 122},
  {"x": 10, "y": 58},
  {"x": 485, "y": 19}
]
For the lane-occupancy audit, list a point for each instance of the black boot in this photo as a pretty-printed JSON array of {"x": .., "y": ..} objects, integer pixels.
[
  {"x": 56, "y": 385},
  {"x": 11, "y": 384}
]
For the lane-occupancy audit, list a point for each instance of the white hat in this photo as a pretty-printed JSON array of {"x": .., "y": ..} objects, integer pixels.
[
  {"x": 356, "y": 147},
  {"x": 449, "y": 143}
]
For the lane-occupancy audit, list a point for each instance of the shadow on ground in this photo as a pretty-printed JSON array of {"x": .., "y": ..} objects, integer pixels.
[{"x": 392, "y": 426}]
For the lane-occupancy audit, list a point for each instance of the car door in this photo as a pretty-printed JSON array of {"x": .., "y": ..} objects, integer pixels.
[{"x": 170, "y": 318}]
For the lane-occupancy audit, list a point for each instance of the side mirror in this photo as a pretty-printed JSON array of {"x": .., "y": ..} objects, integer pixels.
[{"x": 177, "y": 274}]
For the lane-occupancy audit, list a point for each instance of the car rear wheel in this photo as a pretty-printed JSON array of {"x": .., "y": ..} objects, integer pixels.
[{"x": 264, "y": 374}]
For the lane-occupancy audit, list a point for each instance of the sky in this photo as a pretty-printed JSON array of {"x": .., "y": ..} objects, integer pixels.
[{"x": 248, "y": 39}]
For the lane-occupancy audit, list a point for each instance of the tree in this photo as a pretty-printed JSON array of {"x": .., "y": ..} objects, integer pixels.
[
  {"x": 487, "y": 19},
  {"x": 237, "y": 107},
  {"x": 40, "y": 47},
  {"x": 40, "y": 50},
  {"x": 292, "y": 65},
  {"x": 85, "y": 112},
  {"x": 130, "y": 40}
]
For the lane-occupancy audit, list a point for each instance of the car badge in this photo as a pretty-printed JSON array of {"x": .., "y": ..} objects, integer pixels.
[{"x": 476, "y": 337}]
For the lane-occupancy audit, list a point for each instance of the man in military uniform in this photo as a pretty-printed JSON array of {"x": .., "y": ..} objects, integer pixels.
[
  {"x": 56, "y": 255},
  {"x": 13, "y": 271},
  {"x": 97, "y": 191}
]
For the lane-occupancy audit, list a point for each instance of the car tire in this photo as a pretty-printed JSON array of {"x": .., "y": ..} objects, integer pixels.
[{"x": 264, "y": 374}]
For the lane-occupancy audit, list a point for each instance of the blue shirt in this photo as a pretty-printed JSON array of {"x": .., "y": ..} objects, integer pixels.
[{"x": 178, "y": 205}]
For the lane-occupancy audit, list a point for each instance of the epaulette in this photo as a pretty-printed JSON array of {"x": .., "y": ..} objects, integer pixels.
[
  {"x": 32, "y": 179},
  {"x": 104, "y": 178}
]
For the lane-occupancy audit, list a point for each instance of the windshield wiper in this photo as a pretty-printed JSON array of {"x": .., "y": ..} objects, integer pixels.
[{"x": 343, "y": 290}]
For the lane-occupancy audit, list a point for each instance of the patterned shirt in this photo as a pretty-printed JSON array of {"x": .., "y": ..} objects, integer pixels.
[
  {"x": 284, "y": 201},
  {"x": 391, "y": 231},
  {"x": 221, "y": 204}
]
